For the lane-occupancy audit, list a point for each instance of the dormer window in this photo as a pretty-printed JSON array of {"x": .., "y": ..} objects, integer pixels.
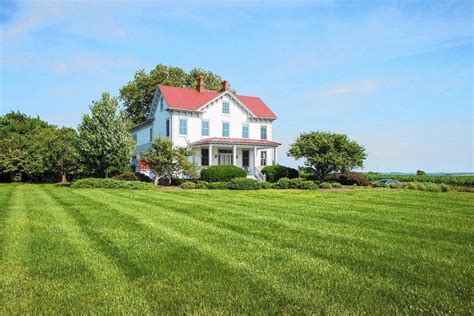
[{"x": 225, "y": 108}]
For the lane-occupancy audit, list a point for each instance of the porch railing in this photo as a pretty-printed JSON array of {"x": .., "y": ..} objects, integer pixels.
[{"x": 260, "y": 176}]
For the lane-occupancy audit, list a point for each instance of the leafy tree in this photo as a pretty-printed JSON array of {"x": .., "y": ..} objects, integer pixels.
[
  {"x": 59, "y": 146},
  {"x": 34, "y": 150},
  {"x": 327, "y": 152},
  {"x": 105, "y": 144},
  {"x": 168, "y": 161},
  {"x": 137, "y": 95},
  {"x": 420, "y": 173}
]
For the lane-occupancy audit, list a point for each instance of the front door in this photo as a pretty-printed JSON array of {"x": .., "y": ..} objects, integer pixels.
[
  {"x": 245, "y": 159},
  {"x": 225, "y": 157}
]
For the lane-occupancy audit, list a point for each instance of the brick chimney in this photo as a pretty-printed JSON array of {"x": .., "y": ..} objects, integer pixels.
[
  {"x": 225, "y": 85},
  {"x": 200, "y": 84}
]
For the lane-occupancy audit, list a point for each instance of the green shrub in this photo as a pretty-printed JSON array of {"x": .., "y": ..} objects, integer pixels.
[
  {"x": 244, "y": 184},
  {"x": 222, "y": 173},
  {"x": 444, "y": 187},
  {"x": 202, "y": 185},
  {"x": 268, "y": 185},
  {"x": 378, "y": 185},
  {"x": 349, "y": 178},
  {"x": 395, "y": 185},
  {"x": 283, "y": 183},
  {"x": 132, "y": 176},
  {"x": 276, "y": 172},
  {"x": 110, "y": 184},
  {"x": 432, "y": 187},
  {"x": 325, "y": 185},
  {"x": 420, "y": 186},
  {"x": 336, "y": 185},
  {"x": 308, "y": 185},
  {"x": 295, "y": 183},
  {"x": 218, "y": 185},
  {"x": 410, "y": 186},
  {"x": 188, "y": 185}
]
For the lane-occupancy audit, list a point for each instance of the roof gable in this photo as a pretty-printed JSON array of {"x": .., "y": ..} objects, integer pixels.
[{"x": 193, "y": 100}]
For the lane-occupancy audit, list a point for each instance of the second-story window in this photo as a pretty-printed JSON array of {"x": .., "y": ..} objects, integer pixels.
[
  {"x": 167, "y": 127},
  {"x": 225, "y": 108},
  {"x": 183, "y": 127},
  {"x": 151, "y": 134},
  {"x": 161, "y": 103},
  {"x": 263, "y": 132},
  {"x": 225, "y": 129},
  {"x": 245, "y": 131},
  {"x": 205, "y": 128},
  {"x": 134, "y": 137}
]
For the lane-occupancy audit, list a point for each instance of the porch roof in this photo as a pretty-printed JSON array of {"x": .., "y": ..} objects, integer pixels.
[{"x": 235, "y": 141}]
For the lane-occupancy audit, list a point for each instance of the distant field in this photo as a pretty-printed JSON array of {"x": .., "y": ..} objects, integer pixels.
[
  {"x": 462, "y": 180},
  {"x": 89, "y": 251}
]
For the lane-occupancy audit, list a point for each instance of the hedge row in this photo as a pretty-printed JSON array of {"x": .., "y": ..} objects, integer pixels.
[
  {"x": 428, "y": 186},
  {"x": 467, "y": 180},
  {"x": 252, "y": 184},
  {"x": 110, "y": 184}
]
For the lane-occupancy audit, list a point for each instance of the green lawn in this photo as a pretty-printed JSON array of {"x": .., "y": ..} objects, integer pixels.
[{"x": 75, "y": 251}]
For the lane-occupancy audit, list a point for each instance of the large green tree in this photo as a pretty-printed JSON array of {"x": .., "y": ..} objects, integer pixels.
[
  {"x": 35, "y": 150},
  {"x": 137, "y": 95},
  {"x": 105, "y": 144},
  {"x": 167, "y": 160},
  {"x": 327, "y": 153}
]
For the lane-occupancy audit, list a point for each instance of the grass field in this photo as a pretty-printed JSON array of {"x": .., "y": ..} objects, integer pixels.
[{"x": 94, "y": 251}]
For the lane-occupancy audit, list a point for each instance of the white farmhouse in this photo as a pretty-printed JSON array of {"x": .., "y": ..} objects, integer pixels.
[{"x": 224, "y": 128}]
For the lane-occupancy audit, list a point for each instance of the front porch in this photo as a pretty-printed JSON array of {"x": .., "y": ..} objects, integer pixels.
[{"x": 248, "y": 154}]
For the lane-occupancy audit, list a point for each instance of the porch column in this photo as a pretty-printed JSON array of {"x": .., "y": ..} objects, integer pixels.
[
  {"x": 255, "y": 156},
  {"x": 234, "y": 155},
  {"x": 275, "y": 156},
  {"x": 211, "y": 156}
]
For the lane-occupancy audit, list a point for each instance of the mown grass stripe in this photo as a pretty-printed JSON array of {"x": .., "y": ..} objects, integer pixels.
[
  {"x": 113, "y": 290},
  {"x": 12, "y": 264}
]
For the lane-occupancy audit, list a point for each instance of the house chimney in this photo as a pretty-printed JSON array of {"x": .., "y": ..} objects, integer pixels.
[
  {"x": 225, "y": 85},
  {"x": 200, "y": 84}
]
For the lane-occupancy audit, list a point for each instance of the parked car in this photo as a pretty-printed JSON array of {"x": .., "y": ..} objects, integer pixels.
[{"x": 386, "y": 182}]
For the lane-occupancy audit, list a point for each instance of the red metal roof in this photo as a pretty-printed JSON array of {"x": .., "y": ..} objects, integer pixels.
[
  {"x": 235, "y": 141},
  {"x": 192, "y": 100},
  {"x": 143, "y": 165}
]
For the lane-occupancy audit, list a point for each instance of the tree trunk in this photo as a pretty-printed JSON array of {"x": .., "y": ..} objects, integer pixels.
[
  {"x": 63, "y": 177},
  {"x": 156, "y": 179}
]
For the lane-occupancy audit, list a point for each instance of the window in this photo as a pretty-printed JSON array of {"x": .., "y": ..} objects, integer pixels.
[
  {"x": 263, "y": 158},
  {"x": 151, "y": 134},
  {"x": 134, "y": 137},
  {"x": 225, "y": 129},
  {"x": 263, "y": 132},
  {"x": 204, "y": 157},
  {"x": 183, "y": 127},
  {"x": 245, "y": 131},
  {"x": 225, "y": 108},
  {"x": 161, "y": 103},
  {"x": 167, "y": 127},
  {"x": 205, "y": 128}
]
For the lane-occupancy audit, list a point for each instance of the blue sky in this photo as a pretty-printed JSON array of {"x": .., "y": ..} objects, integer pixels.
[{"x": 396, "y": 76}]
